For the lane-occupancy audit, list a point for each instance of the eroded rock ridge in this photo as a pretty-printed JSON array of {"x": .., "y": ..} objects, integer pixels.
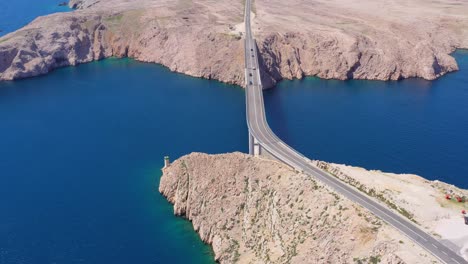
[
  {"x": 378, "y": 40},
  {"x": 253, "y": 210}
]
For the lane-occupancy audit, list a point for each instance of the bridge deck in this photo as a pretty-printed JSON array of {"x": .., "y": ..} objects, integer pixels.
[{"x": 261, "y": 133}]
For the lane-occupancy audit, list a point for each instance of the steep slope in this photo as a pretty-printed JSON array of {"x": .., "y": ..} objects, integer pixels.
[
  {"x": 381, "y": 40},
  {"x": 260, "y": 211}
]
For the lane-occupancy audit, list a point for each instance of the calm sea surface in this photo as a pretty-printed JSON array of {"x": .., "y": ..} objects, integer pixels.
[
  {"x": 81, "y": 148},
  {"x": 409, "y": 126},
  {"x": 80, "y": 158}
]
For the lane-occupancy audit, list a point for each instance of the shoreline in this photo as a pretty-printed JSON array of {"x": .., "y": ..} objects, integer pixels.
[
  {"x": 235, "y": 84},
  {"x": 166, "y": 35},
  {"x": 411, "y": 195},
  {"x": 440, "y": 226}
]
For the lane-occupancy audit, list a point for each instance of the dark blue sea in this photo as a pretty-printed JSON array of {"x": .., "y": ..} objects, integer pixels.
[
  {"x": 17, "y": 13},
  {"x": 408, "y": 126},
  {"x": 81, "y": 148},
  {"x": 80, "y": 159}
]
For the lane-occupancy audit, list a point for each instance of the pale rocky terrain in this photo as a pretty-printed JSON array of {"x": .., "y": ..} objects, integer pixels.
[
  {"x": 341, "y": 39},
  {"x": 361, "y": 39},
  {"x": 192, "y": 37},
  {"x": 424, "y": 200},
  {"x": 254, "y": 210}
]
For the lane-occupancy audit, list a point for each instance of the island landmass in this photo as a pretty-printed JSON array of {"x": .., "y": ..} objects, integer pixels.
[{"x": 376, "y": 40}]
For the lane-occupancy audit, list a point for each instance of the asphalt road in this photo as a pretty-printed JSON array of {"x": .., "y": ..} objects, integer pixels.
[{"x": 259, "y": 129}]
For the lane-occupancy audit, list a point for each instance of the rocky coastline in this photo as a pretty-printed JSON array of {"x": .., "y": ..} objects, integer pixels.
[
  {"x": 204, "y": 39},
  {"x": 253, "y": 210}
]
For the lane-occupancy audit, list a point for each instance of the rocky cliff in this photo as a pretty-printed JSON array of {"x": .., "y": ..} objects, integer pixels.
[
  {"x": 260, "y": 211},
  {"x": 186, "y": 37},
  {"x": 377, "y": 40},
  {"x": 339, "y": 39}
]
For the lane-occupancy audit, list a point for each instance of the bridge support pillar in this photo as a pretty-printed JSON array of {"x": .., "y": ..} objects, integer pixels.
[
  {"x": 257, "y": 151},
  {"x": 254, "y": 146},
  {"x": 251, "y": 144}
]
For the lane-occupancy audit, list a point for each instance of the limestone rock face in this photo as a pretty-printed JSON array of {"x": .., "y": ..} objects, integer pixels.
[
  {"x": 187, "y": 39},
  {"x": 33, "y": 51},
  {"x": 260, "y": 211},
  {"x": 376, "y": 40},
  {"x": 296, "y": 55},
  {"x": 336, "y": 39}
]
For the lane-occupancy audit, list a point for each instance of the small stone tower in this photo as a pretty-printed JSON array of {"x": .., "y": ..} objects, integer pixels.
[{"x": 166, "y": 162}]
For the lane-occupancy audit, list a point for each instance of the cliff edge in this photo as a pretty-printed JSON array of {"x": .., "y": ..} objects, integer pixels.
[
  {"x": 188, "y": 37},
  {"x": 378, "y": 40},
  {"x": 253, "y": 210}
]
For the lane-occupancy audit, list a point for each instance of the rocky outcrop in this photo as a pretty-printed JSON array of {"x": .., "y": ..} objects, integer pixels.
[
  {"x": 32, "y": 51},
  {"x": 82, "y": 4},
  {"x": 336, "y": 39},
  {"x": 185, "y": 40},
  {"x": 375, "y": 40},
  {"x": 260, "y": 211}
]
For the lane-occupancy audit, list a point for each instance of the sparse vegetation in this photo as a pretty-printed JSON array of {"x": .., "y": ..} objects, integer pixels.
[
  {"x": 274, "y": 216},
  {"x": 370, "y": 260},
  {"x": 4, "y": 40},
  {"x": 234, "y": 250},
  {"x": 373, "y": 193},
  {"x": 116, "y": 18}
]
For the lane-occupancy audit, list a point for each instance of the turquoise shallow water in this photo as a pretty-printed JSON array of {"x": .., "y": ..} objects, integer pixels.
[{"x": 408, "y": 126}]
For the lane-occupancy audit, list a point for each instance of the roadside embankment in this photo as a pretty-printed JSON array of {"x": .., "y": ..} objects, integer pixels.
[
  {"x": 434, "y": 205},
  {"x": 253, "y": 210}
]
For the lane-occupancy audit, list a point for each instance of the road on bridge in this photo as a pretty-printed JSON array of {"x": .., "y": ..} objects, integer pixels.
[{"x": 259, "y": 129}]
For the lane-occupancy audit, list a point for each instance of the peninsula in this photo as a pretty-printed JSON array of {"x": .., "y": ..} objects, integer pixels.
[
  {"x": 379, "y": 40},
  {"x": 256, "y": 210}
]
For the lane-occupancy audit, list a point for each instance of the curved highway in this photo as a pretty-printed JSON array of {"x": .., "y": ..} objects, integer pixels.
[{"x": 261, "y": 132}]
